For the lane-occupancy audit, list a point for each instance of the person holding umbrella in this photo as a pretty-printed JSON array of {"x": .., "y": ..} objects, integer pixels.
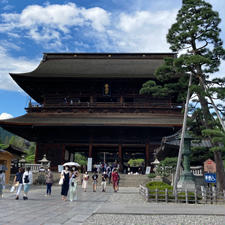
[{"x": 73, "y": 185}]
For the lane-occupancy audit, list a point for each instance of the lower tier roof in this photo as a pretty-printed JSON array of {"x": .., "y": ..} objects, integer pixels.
[{"x": 92, "y": 119}]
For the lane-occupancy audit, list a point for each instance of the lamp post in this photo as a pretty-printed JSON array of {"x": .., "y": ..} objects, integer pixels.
[{"x": 187, "y": 181}]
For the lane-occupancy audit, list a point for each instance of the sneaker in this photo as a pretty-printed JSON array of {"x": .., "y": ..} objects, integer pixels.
[{"x": 17, "y": 198}]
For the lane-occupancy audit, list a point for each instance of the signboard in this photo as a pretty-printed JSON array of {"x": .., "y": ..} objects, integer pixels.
[
  {"x": 89, "y": 164},
  {"x": 210, "y": 177},
  {"x": 147, "y": 170},
  {"x": 209, "y": 166},
  {"x": 60, "y": 168}
]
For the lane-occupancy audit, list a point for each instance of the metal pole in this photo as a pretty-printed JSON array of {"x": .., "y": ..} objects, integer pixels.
[{"x": 177, "y": 174}]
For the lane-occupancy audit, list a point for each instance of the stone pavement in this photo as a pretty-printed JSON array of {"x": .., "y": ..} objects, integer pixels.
[{"x": 98, "y": 208}]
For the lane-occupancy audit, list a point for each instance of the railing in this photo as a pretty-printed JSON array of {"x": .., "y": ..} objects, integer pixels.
[
  {"x": 205, "y": 196},
  {"x": 143, "y": 191},
  {"x": 125, "y": 105},
  {"x": 33, "y": 167}
]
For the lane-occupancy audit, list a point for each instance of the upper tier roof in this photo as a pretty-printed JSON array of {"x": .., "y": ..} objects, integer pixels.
[{"x": 97, "y": 65}]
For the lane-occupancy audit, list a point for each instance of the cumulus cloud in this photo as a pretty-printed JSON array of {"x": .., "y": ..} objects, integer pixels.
[
  {"x": 14, "y": 65},
  {"x": 143, "y": 30},
  {"x": 49, "y": 22},
  {"x": 4, "y": 116}
]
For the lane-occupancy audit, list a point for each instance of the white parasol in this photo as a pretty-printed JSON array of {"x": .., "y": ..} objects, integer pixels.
[{"x": 71, "y": 164}]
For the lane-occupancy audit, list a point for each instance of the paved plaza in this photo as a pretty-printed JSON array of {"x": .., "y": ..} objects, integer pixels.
[{"x": 98, "y": 208}]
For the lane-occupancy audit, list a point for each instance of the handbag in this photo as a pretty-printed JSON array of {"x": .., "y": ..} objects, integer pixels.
[
  {"x": 16, "y": 184},
  {"x": 12, "y": 189},
  {"x": 61, "y": 181}
]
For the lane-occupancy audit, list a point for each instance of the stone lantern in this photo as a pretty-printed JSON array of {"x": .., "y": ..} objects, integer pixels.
[
  {"x": 22, "y": 161},
  {"x": 44, "y": 162},
  {"x": 155, "y": 164},
  {"x": 187, "y": 181}
]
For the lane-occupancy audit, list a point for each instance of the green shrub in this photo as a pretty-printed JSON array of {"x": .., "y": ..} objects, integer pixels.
[
  {"x": 136, "y": 162},
  {"x": 161, "y": 186},
  {"x": 158, "y": 185},
  {"x": 152, "y": 175}
]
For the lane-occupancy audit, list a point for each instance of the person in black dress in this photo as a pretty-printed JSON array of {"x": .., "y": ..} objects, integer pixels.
[{"x": 66, "y": 180}]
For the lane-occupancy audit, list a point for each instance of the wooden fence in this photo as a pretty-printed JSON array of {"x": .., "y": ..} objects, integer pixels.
[{"x": 205, "y": 196}]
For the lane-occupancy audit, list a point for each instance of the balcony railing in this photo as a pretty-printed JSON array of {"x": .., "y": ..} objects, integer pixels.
[{"x": 105, "y": 105}]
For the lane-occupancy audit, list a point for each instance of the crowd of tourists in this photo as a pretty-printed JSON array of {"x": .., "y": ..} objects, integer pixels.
[{"x": 69, "y": 179}]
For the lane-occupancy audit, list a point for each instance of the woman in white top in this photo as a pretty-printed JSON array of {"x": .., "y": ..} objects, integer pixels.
[
  {"x": 27, "y": 181},
  {"x": 73, "y": 185},
  {"x": 85, "y": 181}
]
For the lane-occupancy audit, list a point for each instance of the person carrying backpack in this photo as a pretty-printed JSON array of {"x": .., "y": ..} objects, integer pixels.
[{"x": 27, "y": 181}]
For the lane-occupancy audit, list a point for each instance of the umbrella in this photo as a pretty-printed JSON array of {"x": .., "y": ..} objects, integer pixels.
[{"x": 71, "y": 164}]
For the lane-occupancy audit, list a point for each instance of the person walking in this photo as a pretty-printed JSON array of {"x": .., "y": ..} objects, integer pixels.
[
  {"x": 85, "y": 181},
  {"x": 73, "y": 185},
  {"x": 18, "y": 182},
  {"x": 65, "y": 175},
  {"x": 49, "y": 181},
  {"x": 2, "y": 182},
  {"x": 109, "y": 172},
  {"x": 27, "y": 181},
  {"x": 103, "y": 184},
  {"x": 115, "y": 179},
  {"x": 95, "y": 181}
]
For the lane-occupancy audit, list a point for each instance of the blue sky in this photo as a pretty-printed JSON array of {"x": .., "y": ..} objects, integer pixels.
[{"x": 30, "y": 27}]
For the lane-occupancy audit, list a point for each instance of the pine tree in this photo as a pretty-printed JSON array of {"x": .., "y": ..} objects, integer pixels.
[{"x": 195, "y": 37}]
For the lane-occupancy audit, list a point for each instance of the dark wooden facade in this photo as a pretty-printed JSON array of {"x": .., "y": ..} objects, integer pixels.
[{"x": 90, "y": 103}]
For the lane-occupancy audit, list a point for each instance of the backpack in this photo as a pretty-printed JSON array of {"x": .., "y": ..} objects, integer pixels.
[{"x": 26, "y": 179}]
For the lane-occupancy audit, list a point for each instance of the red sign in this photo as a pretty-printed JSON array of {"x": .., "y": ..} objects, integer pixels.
[{"x": 210, "y": 166}]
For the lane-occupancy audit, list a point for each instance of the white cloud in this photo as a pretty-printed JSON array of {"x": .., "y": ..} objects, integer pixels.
[
  {"x": 4, "y": 116},
  {"x": 15, "y": 65},
  {"x": 143, "y": 30},
  {"x": 50, "y": 22}
]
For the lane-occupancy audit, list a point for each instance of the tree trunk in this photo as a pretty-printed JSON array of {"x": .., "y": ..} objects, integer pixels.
[{"x": 220, "y": 174}]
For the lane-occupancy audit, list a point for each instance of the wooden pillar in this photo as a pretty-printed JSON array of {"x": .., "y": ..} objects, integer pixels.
[
  {"x": 90, "y": 150},
  {"x": 120, "y": 154},
  {"x": 91, "y": 99},
  {"x": 37, "y": 152},
  {"x": 147, "y": 158},
  {"x": 121, "y": 99}
]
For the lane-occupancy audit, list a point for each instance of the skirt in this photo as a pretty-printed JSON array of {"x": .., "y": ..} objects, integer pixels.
[
  {"x": 26, "y": 188},
  {"x": 65, "y": 188},
  {"x": 84, "y": 184}
]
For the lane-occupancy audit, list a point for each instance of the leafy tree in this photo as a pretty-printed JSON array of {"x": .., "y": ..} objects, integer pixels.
[
  {"x": 195, "y": 37},
  {"x": 82, "y": 160},
  {"x": 30, "y": 153},
  {"x": 2, "y": 146},
  {"x": 167, "y": 166},
  {"x": 135, "y": 162}
]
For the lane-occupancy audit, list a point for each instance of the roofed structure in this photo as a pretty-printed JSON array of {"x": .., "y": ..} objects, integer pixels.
[{"x": 90, "y": 103}]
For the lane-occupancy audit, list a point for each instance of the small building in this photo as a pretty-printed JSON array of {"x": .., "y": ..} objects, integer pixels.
[
  {"x": 5, "y": 161},
  {"x": 17, "y": 154}
]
